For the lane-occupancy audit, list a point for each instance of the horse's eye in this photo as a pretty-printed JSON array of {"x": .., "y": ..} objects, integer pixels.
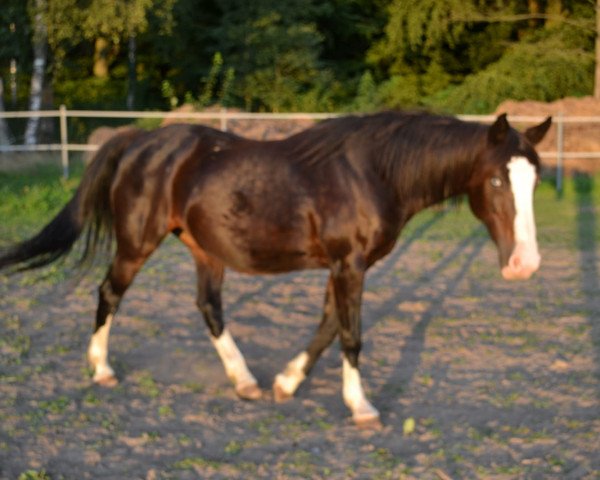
[{"x": 496, "y": 182}]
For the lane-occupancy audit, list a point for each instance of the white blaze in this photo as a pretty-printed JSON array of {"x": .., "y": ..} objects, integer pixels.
[{"x": 525, "y": 258}]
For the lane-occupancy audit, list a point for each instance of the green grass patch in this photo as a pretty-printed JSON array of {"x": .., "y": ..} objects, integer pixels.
[{"x": 32, "y": 197}]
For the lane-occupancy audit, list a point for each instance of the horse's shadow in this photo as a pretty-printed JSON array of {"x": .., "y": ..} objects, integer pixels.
[
  {"x": 410, "y": 359},
  {"x": 587, "y": 225}
]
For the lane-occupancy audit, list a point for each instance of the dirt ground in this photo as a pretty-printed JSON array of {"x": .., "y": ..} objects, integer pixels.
[{"x": 501, "y": 379}]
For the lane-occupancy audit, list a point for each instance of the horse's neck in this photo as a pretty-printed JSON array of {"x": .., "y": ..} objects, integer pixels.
[{"x": 434, "y": 177}]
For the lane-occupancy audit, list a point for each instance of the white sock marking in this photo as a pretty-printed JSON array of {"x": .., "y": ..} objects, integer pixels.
[
  {"x": 98, "y": 352},
  {"x": 522, "y": 177},
  {"x": 233, "y": 360},
  {"x": 354, "y": 395},
  {"x": 293, "y": 375}
]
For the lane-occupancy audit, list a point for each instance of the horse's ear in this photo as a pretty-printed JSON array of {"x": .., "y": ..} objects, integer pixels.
[
  {"x": 498, "y": 131},
  {"x": 535, "y": 134}
]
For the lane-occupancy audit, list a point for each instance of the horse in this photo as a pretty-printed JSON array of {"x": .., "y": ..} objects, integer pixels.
[{"x": 334, "y": 196}]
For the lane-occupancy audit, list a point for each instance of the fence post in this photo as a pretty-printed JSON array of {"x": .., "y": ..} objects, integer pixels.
[
  {"x": 64, "y": 150},
  {"x": 560, "y": 143},
  {"x": 223, "y": 119}
]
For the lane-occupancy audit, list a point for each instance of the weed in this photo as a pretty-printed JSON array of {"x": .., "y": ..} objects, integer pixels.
[
  {"x": 233, "y": 447},
  {"x": 191, "y": 462},
  {"x": 91, "y": 399},
  {"x": 152, "y": 436},
  {"x": 148, "y": 386},
  {"x": 34, "y": 475},
  {"x": 165, "y": 411}
]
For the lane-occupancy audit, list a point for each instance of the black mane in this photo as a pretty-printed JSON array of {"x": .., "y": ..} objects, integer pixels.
[{"x": 408, "y": 149}]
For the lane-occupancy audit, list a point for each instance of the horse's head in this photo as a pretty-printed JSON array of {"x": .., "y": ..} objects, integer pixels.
[{"x": 501, "y": 194}]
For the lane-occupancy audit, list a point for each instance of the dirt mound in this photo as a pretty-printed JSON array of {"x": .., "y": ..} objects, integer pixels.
[
  {"x": 250, "y": 128},
  {"x": 584, "y": 106},
  {"x": 579, "y": 137}
]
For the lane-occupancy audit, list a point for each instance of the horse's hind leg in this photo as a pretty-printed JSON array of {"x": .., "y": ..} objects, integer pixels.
[
  {"x": 119, "y": 277},
  {"x": 287, "y": 382},
  {"x": 210, "y": 279}
]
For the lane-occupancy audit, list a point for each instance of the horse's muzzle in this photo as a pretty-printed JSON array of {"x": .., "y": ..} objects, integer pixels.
[{"x": 523, "y": 262}]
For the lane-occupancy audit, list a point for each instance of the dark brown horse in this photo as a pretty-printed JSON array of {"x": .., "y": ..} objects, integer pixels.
[{"x": 335, "y": 196}]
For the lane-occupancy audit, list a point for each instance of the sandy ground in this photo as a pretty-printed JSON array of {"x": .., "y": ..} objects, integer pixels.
[{"x": 501, "y": 379}]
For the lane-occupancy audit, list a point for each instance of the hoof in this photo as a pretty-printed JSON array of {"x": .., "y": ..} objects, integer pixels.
[
  {"x": 107, "y": 380},
  {"x": 368, "y": 422},
  {"x": 280, "y": 395},
  {"x": 249, "y": 392}
]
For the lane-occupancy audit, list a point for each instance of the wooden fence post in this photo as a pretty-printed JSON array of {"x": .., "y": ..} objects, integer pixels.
[
  {"x": 560, "y": 143},
  {"x": 64, "y": 142},
  {"x": 223, "y": 119}
]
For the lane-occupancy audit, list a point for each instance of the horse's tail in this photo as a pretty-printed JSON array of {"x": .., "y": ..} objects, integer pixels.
[{"x": 89, "y": 209}]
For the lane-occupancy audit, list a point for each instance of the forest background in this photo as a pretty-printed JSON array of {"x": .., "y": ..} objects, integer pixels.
[{"x": 453, "y": 56}]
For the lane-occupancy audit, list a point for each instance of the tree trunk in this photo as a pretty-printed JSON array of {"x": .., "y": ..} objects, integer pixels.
[
  {"x": 101, "y": 54},
  {"x": 132, "y": 72},
  {"x": 47, "y": 129},
  {"x": 554, "y": 12},
  {"x": 597, "y": 70},
  {"x": 40, "y": 42},
  {"x": 534, "y": 9},
  {"x": 4, "y": 133}
]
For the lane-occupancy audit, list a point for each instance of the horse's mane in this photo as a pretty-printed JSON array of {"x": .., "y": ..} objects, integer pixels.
[
  {"x": 393, "y": 134},
  {"x": 403, "y": 147}
]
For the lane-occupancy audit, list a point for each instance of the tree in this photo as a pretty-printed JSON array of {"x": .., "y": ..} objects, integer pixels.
[
  {"x": 274, "y": 48},
  {"x": 40, "y": 52},
  {"x": 440, "y": 44},
  {"x": 597, "y": 57},
  {"x": 108, "y": 24}
]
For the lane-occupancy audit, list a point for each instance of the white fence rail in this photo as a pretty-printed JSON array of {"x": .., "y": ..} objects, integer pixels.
[{"x": 223, "y": 117}]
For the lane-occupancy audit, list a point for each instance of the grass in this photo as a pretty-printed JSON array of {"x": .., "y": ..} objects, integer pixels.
[{"x": 32, "y": 197}]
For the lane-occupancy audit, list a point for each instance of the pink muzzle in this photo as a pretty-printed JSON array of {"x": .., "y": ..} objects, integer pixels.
[{"x": 523, "y": 262}]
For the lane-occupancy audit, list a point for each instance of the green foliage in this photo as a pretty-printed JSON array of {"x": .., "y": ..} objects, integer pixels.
[
  {"x": 367, "y": 98},
  {"x": 70, "y": 21},
  {"x": 208, "y": 92},
  {"x": 275, "y": 49},
  {"x": 319, "y": 55},
  {"x": 34, "y": 475},
  {"x": 15, "y": 31},
  {"x": 537, "y": 71},
  {"x": 217, "y": 86},
  {"x": 30, "y": 198},
  {"x": 470, "y": 56},
  {"x": 399, "y": 91},
  {"x": 91, "y": 92}
]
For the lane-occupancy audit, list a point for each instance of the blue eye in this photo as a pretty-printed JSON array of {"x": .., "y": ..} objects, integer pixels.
[{"x": 496, "y": 182}]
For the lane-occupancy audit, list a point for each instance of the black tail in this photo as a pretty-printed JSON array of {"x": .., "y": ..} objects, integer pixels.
[{"x": 89, "y": 209}]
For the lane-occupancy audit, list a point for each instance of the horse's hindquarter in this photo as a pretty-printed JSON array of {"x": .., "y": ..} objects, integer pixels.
[
  {"x": 259, "y": 212},
  {"x": 142, "y": 191}
]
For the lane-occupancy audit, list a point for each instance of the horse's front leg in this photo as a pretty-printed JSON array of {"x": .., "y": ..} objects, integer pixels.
[
  {"x": 210, "y": 280},
  {"x": 341, "y": 313},
  {"x": 348, "y": 286},
  {"x": 288, "y": 381}
]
